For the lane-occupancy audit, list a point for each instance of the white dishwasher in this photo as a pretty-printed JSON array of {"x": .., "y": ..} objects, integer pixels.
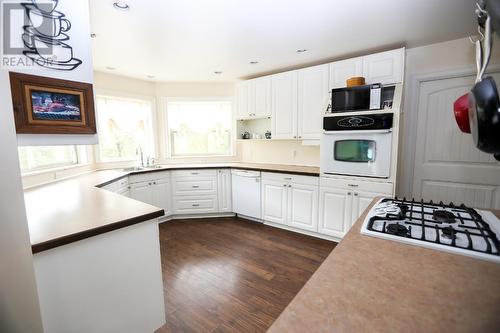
[{"x": 246, "y": 193}]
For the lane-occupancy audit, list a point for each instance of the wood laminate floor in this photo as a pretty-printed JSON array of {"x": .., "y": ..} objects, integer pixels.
[{"x": 232, "y": 275}]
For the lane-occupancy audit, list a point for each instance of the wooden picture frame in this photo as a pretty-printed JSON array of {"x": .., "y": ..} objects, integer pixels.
[{"x": 44, "y": 105}]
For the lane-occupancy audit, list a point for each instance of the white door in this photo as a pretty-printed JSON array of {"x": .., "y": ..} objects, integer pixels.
[
  {"x": 448, "y": 167},
  {"x": 274, "y": 201},
  {"x": 284, "y": 105},
  {"x": 224, "y": 190},
  {"x": 142, "y": 192},
  {"x": 335, "y": 208},
  {"x": 384, "y": 67},
  {"x": 242, "y": 111},
  {"x": 342, "y": 70},
  {"x": 303, "y": 206},
  {"x": 162, "y": 196},
  {"x": 312, "y": 101},
  {"x": 262, "y": 97}
]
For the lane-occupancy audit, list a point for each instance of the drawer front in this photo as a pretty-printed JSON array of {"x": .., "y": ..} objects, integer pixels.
[
  {"x": 202, "y": 186},
  {"x": 358, "y": 185},
  {"x": 290, "y": 178},
  {"x": 195, "y": 205},
  {"x": 194, "y": 173}
]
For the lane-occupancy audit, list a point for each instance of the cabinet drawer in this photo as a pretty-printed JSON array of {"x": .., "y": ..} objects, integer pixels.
[
  {"x": 358, "y": 185},
  {"x": 289, "y": 178},
  {"x": 207, "y": 186},
  {"x": 194, "y": 173},
  {"x": 195, "y": 204}
]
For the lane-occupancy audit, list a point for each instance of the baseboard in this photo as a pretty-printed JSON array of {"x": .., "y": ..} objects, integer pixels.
[
  {"x": 254, "y": 219},
  {"x": 194, "y": 216},
  {"x": 304, "y": 232}
]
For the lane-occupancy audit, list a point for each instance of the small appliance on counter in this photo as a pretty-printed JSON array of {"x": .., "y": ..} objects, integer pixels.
[
  {"x": 245, "y": 136},
  {"x": 450, "y": 228},
  {"x": 268, "y": 135}
]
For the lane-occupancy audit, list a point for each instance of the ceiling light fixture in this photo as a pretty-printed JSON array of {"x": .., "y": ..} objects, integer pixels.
[
  {"x": 121, "y": 5},
  {"x": 218, "y": 72},
  {"x": 301, "y": 50},
  {"x": 254, "y": 62},
  {"x": 110, "y": 68}
]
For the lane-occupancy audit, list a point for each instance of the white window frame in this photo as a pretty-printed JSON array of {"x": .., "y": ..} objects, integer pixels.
[
  {"x": 130, "y": 97},
  {"x": 83, "y": 158},
  {"x": 165, "y": 139}
]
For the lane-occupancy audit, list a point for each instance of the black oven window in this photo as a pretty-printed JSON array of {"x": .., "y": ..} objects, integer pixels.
[{"x": 354, "y": 151}]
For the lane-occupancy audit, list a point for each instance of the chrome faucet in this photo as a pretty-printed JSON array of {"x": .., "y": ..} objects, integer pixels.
[{"x": 139, "y": 152}]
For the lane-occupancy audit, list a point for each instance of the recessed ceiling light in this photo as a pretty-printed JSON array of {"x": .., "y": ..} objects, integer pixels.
[
  {"x": 254, "y": 62},
  {"x": 110, "y": 68},
  {"x": 218, "y": 72},
  {"x": 150, "y": 76},
  {"x": 93, "y": 35},
  {"x": 121, "y": 5},
  {"x": 301, "y": 50}
]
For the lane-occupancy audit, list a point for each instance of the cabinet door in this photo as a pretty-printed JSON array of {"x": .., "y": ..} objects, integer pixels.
[
  {"x": 142, "y": 192},
  {"x": 161, "y": 193},
  {"x": 262, "y": 97},
  {"x": 342, "y": 70},
  {"x": 360, "y": 201},
  {"x": 224, "y": 190},
  {"x": 242, "y": 97},
  {"x": 312, "y": 101},
  {"x": 335, "y": 206},
  {"x": 284, "y": 105},
  {"x": 274, "y": 201},
  {"x": 384, "y": 67},
  {"x": 303, "y": 206}
]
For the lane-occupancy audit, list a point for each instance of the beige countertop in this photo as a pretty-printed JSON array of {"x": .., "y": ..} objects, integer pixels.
[
  {"x": 69, "y": 210},
  {"x": 369, "y": 284}
]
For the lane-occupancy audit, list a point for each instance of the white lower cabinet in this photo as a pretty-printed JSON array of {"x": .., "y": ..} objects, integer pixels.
[
  {"x": 195, "y": 204},
  {"x": 224, "y": 190},
  {"x": 342, "y": 202},
  {"x": 156, "y": 191},
  {"x": 290, "y": 200}
]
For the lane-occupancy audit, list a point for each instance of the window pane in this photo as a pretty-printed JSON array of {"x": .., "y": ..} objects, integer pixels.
[
  {"x": 124, "y": 126},
  {"x": 199, "y": 128},
  {"x": 46, "y": 157}
]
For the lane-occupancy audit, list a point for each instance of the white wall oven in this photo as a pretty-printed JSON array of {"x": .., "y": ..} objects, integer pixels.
[{"x": 359, "y": 145}]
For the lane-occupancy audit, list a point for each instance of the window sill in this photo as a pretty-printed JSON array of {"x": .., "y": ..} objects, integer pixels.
[{"x": 52, "y": 170}]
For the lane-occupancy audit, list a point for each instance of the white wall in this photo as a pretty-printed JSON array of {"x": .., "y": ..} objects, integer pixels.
[
  {"x": 454, "y": 55},
  {"x": 19, "y": 308}
]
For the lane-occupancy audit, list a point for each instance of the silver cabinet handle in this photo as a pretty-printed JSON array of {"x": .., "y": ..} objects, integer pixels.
[
  {"x": 295, "y": 137},
  {"x": 289, "y": 185},
  {"x": 195, "y": 186},
  {"x": 349, "y": 193},
  {"x": 284, "y": 185},
  {"x": 352, "y": 185},
  {"x": 154, "y": 183},
  {"x": 287, "y": 178},
  {"x": 149, "y": 183},
  {"x": 195, "y": 173},
  {"x": 195, "y": 205},
  {"x": 355, "y": 194},
  {"x": 300, "y": 137}
]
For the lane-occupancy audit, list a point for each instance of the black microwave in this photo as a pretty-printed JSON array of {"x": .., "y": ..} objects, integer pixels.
[{"x": 367, "y": 97}]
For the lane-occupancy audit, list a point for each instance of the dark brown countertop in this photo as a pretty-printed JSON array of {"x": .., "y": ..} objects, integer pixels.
[
  {"x": 377, "y": 285},
  {"x": 66, "y": 211}
]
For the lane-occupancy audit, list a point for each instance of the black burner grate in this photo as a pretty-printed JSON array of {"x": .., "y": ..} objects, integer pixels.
[{"x": 448, "y": 222}]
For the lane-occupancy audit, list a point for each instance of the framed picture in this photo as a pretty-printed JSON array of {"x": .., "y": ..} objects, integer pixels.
[{"x": 44, "y": 105}]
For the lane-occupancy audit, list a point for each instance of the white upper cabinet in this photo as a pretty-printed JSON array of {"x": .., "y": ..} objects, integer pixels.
[
  {"x": 242, "y": 96},
  {"x": 312, "y": 101},
  {"x": 284, "y": 105},
  {"x": 253, "y": 98},
  {"x": 342, "y": 70},
  {"x": 260, "y": 101},
  {"x": 384, "y": 67}
]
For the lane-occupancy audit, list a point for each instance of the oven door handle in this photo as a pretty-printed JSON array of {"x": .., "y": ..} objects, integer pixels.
[{"x": 383, "y": 131}]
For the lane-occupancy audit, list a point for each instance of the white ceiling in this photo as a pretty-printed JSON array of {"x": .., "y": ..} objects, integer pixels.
[{"x": 187, "y": 40}]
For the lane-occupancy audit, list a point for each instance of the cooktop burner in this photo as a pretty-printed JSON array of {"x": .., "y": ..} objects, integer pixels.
[
  {"x": 444, "y": 216},
  {"x": 397, "y": 229},
  {"x": 451, "y": 228}
]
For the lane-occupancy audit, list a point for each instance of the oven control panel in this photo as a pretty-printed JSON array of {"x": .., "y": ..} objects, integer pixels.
[{"x": 358, "y": 122}]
